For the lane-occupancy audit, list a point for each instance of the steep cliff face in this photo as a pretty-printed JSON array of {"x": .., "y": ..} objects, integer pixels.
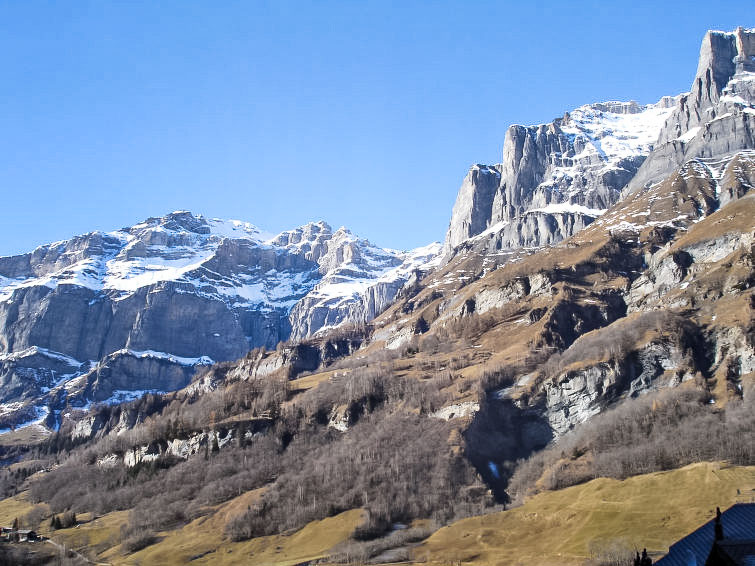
[
  {"x": 555, "y": 178},
  {"x": 358, "y": 283},
  {"x": 179, "y": 284},
  {"x": 472, "y": 211},
  {"x": 717, "y": 117}
]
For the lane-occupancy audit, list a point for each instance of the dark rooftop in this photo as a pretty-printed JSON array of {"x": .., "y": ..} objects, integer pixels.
[{"x": 738, "y": 523}]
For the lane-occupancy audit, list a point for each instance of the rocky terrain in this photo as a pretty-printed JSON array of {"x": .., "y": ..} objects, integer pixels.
[{"x": 590, "y": 316}]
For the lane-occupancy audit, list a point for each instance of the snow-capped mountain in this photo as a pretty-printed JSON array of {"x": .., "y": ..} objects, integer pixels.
[
  {"x": 556, "y": 178},
  {"x": 716, "y": 118},
  {"x": 139, "y": 308}
]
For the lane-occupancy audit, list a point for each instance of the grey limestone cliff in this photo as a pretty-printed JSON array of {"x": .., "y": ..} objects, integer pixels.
[
  {"x": 717, "y": 117},
  {"x": 555, "y": 178}
]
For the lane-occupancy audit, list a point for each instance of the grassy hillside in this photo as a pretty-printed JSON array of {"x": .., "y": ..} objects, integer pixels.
[
  {"x": 554, "y": 527},
  {"x": 199, "y": 542},
  {"x": 563, "y": 527}
]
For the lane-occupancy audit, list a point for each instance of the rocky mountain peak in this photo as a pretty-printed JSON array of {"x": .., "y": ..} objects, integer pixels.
[
  {"x": 723, "y": 54},
  {"x": 184, "y": 226},
  {"x": 720, "y": 101},
  {"x": 556, "y": 178},
  {"x": 140, "y": 307},
  {"x": 309, "y": 240}
]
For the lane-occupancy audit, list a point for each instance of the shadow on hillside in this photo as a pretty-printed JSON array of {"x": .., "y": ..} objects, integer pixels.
[{"x": 500, "y": 434}]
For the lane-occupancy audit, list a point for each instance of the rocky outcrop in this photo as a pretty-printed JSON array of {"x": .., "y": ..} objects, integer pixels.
[
  {"x": 733, "y": 353},
  {"x": 676, "y": 266},
  {"x": 717, "y": 117},
  {"x": 489, "y": 298},
  {"x": 308, "y": 355},
  {"x": 134, "y": 372},
  {"x": 578, "y": 394}
]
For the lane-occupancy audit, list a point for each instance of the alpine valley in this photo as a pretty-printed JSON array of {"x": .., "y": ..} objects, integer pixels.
[{"x": 193, "y": 390}]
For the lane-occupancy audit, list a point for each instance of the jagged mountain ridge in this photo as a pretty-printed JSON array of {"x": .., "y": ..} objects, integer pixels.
[
  {"x": 149, "y": 303},
  {"x": 568, "y": 172},
  {"x": 557, "y": 178}
]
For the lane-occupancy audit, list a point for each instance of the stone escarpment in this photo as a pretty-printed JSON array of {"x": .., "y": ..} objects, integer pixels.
[{"x": 717, "y": 117}]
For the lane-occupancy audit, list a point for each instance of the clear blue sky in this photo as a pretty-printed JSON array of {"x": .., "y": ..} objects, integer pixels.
[{"x": 364, "y": 114}]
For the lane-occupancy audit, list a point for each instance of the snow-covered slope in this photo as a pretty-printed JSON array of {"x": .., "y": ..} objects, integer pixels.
[
  {"x": 603, "y": 136},
  {"x": 181, "y": 287},
  {"x": 177, "y": 248}
]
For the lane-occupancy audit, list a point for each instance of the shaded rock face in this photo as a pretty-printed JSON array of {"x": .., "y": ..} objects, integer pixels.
[
  {"x": 501, "y": 431},
  {"x": 126, "y": 371}
]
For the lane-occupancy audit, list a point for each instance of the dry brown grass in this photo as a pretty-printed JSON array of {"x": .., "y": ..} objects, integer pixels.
[
  {"x": 736, "y": 217},
  {"x": 26, "y": 436},
  {"x": 14, "y": 507},
  {"x": 202, "y": 542},
  {"x": 558, "y": 527}
]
